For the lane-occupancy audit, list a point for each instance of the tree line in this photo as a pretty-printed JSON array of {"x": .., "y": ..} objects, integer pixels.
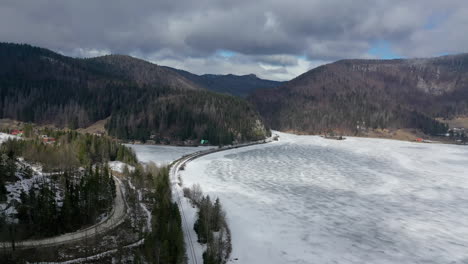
[
  {"x": 165, "y": 243},
  {"x": 37, "y": 85},
  {"x": 7, "y": 171},
  {"x": 70, "y": 198},
  {"x": 86, "y": 196},
  {"x": 211, "y": 226},
  {"x": 342, "y": 112},
  {"x": 372, "y": 94},
  {"x": 188, "y": 115},
  {"x": 71, "y": 150}
]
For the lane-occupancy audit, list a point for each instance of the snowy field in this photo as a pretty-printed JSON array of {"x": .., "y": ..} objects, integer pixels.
[
  {"x": 306, "y": 199},
  {"x": 5, "y": 137},
  {"x": 162, "y": 155}
]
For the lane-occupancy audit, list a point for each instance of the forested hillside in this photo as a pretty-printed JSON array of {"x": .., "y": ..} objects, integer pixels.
[
  {"x": 221, "y": 119},
  {"x": 354, "y": 94},
  {"x": 56, "y": 187},
  {"x": 142, "y": 99}
]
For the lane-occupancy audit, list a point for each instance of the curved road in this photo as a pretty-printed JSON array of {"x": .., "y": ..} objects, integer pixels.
[
  {"x": 118, "y": 213},
  {"x": 177, "y": 193},
  {"x": 117, "y": 216}
]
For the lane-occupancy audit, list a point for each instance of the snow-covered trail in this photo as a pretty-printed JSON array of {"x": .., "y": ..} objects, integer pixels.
[
  {"x": 117, "y": 216},
  {"x": 307, "y": 199}
]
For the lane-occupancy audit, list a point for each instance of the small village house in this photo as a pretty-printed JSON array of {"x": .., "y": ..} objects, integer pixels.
[
  {"x": 16, "y": 132},
  {"x": 47, "y": 140}
]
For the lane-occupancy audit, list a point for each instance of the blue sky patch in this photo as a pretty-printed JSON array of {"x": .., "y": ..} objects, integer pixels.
[
  {"x": 382, "y": 50},
  {"x": 225, "y": 53}
]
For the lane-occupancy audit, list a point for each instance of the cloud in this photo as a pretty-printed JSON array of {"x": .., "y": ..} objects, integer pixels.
[
  {"x": 272, "y": 38},
  {"x": 274, "y": 67}
]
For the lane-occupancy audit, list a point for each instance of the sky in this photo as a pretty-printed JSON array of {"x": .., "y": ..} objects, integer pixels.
[{"x": 274, "y": 39}]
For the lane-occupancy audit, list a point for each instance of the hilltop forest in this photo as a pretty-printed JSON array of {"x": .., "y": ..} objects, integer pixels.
[
  {"x": 141, "y": 98},
  {"x": 350, "y": 95}
]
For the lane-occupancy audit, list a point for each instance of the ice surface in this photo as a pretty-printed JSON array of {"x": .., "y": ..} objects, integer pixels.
[
  {"x": 307, "y": 199},
  {"x": 163, "y": 155}
]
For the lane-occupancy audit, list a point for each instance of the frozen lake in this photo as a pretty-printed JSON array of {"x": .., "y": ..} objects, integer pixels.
[
  {"x": 307, "y": 199},
  {"x": 162, "y": 155}
]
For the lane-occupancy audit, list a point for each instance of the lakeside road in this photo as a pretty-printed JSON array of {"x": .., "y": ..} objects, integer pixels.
[
  {"x": 116, "y": 217},
  {"x": 188, "y": 212}
]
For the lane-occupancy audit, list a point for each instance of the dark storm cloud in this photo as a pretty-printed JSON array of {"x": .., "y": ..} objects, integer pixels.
[{"x": 276, "y": 32}]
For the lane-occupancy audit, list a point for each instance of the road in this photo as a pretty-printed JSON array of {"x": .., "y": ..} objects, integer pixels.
[
  {"x": 194, "y": 251},
  {"x": 118, "y": 213},
  {"x": 116, "y": 217}
]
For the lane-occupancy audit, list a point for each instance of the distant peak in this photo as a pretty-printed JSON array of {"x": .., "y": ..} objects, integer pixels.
[
  {"x": 114, "y": 56},
  {"x": 246, "y": 75},
  {"x": 251, "y": 75}
]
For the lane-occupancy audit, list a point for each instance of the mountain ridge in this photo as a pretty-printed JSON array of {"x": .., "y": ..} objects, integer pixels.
[
  {"x": 401, "y": 93},
  {"x": 143, "y": 72},
  {"x": 140, "y": 99},
  {"x": 238, "y": 85}
]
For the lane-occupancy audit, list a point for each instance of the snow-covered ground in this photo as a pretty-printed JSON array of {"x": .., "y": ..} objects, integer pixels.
[
  {"x": 306, "y": 199},
  {"x": 162, "y": 155},
  {"x": 119, "y": 166},
  {"x": 4, "y": 137},
  {"x": 24, "y": 184}
]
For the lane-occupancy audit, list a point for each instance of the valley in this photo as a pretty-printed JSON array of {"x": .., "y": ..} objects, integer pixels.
[
  {"x": 234, "y": 132},
  {"x": 114, "y": 159}
]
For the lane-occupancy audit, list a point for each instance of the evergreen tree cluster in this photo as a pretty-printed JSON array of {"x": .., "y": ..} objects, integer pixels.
[
  {"x": 70, "y": 150},
  {"x": 7, "y": 171},
  {"x": 429, "y": 125},
  {"x": 69, "y": 199},
  {"x": 188, "y": 115},
  {"x": 165, "y": 244},
  {"x": 209, "y": 219},
  {"x": 86, "y": 195},
  {"x": 211, "y": 226},
  {"x": 212, "y": 230}
]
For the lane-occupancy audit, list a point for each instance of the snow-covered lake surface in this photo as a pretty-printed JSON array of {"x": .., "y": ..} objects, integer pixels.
[
  {"x": 306, "y": 199},
  {"x": 162, "y": 155}
]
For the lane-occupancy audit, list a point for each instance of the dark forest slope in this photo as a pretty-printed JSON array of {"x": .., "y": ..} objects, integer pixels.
[
  {"x": 141, "y": 98},
  {"x": 370, "y": 93}
]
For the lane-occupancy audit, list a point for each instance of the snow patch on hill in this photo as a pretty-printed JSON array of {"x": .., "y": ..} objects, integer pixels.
[{"x": 119, "y": 166}]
